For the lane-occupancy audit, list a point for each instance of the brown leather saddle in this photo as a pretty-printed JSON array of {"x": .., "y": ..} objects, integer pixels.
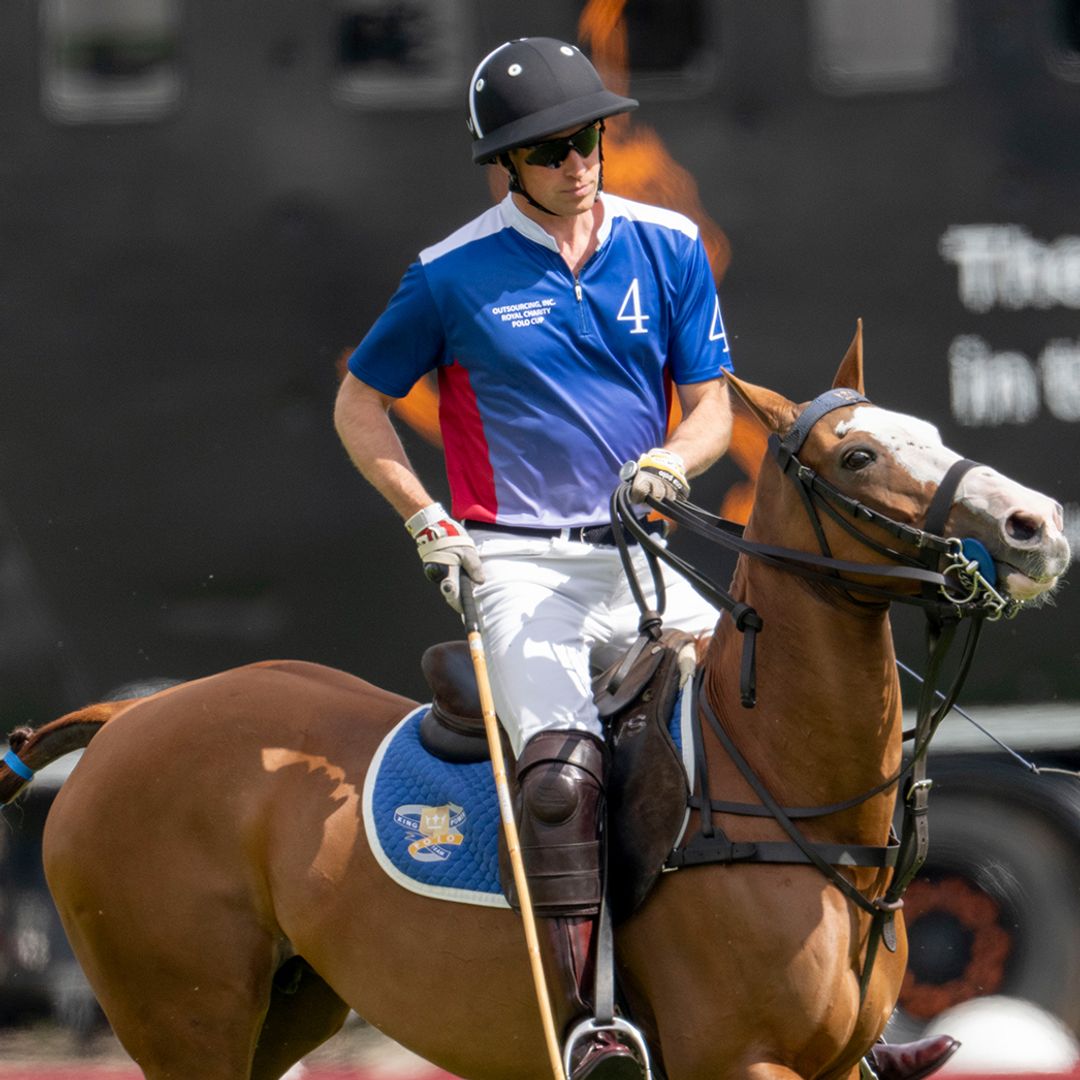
[{"x": 647, "y": 789}]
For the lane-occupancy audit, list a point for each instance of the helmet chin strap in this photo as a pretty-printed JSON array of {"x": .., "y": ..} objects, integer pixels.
[{"x": 518, "y": 188}]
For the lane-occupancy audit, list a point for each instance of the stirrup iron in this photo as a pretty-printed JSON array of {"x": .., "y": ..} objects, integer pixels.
[{"x": 618, "y": 1026}]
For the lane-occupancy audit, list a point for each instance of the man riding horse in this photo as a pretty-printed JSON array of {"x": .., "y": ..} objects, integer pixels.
[{"x": 555, "y": 321}]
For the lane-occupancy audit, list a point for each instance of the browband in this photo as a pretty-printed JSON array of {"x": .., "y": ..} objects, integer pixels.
[{"x": 825, "y": 403}]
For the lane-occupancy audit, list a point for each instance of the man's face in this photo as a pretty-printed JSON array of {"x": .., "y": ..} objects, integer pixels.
[{"x": 566, "y": 187}]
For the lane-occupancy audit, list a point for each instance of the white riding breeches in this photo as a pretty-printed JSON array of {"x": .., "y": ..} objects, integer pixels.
[{"x": 552, "y": 611}]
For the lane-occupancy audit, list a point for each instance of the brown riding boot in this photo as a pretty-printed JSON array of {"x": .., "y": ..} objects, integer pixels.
[
  {"x": 911, "y": 1061},
  {"x": 561, "y": 796}
]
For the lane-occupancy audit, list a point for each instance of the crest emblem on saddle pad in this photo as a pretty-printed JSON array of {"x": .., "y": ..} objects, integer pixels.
[{"x": 432, "y": 830}]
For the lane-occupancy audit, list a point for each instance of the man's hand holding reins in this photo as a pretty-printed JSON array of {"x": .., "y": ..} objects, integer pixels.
[
  {"x": 660, "y": 474},
  {"x": 445, "y": 549}
]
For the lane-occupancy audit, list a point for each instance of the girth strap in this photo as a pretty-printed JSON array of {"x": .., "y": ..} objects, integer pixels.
[{"x": 719, "y": 849}]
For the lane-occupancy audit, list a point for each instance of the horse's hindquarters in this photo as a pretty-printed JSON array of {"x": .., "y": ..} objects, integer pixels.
[{"x": 163, "y": 848}]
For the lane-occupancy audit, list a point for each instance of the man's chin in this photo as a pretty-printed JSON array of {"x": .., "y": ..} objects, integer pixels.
[{"x": 580, "y": 204}]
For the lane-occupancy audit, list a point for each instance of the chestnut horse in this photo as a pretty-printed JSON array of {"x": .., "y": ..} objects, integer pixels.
[{"x": 211, "y": 835}]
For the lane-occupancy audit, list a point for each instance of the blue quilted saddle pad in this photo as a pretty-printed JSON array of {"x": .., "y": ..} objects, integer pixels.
[{"x": 433, "y": 826}]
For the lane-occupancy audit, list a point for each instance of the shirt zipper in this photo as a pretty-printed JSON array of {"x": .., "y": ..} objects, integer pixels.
[{"x": 581, "y": 306}]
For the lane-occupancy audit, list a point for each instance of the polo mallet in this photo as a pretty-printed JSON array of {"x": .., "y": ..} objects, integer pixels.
[{"x": 506, "y": 813}]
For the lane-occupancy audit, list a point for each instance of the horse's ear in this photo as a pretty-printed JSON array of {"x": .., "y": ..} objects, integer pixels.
[
  {"x": 850, "y": 373},
  {"x": 773, "y": 410}
]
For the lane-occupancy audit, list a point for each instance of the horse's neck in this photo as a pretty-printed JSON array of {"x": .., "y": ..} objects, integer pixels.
[{"x": 827, "y": 692}]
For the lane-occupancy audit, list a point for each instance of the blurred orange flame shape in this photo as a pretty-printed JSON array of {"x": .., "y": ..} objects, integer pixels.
[{"x": 638, "y": 165}]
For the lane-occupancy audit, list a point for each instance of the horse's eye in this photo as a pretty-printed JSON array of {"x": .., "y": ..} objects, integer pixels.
[{"x": 858, "y": 459}]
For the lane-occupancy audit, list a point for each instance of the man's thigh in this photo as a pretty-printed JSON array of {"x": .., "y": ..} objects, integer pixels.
[{"x": 538, "y": 611}]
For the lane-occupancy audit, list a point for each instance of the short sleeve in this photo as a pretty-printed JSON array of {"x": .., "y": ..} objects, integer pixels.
[
  {"x": 406, "y": 341},
  {"x": 699, "y": 348}
]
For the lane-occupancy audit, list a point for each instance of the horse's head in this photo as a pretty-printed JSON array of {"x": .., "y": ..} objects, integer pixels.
[{"x": 849, "y": 454}]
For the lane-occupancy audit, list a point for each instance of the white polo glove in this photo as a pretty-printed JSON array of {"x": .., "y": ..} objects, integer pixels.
[
  {"x": 445, "y": 549},
  {"x": 660, "y": 474}
]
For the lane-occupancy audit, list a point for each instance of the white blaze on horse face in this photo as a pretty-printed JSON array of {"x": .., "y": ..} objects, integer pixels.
[{"x": 914, "y": 444}]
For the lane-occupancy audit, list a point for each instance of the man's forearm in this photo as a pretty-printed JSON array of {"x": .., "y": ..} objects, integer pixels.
[{"x": 704, "y": 433}]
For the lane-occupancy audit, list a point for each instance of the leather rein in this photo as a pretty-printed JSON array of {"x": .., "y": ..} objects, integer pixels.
[{"x": 956, "y": 580}]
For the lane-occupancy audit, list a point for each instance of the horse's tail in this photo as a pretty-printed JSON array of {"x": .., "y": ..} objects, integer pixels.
[{"x": 31, "y": 750}]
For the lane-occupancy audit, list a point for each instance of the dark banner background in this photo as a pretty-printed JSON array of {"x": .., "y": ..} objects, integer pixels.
[{"x": 178, "y": 288}]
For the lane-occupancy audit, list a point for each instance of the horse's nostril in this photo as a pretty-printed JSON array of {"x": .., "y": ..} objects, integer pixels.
[{"x": 1022, "y": 527}]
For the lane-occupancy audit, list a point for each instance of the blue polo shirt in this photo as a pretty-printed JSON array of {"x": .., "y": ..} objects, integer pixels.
[{"x": 548, "y": 383}]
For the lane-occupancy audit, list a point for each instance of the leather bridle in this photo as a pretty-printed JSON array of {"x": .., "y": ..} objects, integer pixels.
[{"x": 955, "y": 576}]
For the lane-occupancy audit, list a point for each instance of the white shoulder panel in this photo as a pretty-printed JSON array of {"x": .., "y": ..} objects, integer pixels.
[
  {"x": 486, "y": 224},
  {"x": 655, "y": 215}
]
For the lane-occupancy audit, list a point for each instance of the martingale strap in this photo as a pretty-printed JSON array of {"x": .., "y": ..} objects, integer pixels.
[{"x": 915, "y": 830}]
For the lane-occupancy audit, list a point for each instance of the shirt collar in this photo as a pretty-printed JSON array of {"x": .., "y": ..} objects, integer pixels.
[{"x": 515, "y": 219}]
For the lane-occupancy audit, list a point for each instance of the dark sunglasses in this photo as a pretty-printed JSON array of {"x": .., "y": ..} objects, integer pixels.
[{"x": 552, "y": 153}]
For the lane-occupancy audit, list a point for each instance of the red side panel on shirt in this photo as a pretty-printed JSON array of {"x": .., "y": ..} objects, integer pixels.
[
  {"x": 468, "y": 461},
  {"x": 672, "y": 407}
]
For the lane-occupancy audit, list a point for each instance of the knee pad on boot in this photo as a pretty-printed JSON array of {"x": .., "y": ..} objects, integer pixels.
[{"x": 561, "y": 796}]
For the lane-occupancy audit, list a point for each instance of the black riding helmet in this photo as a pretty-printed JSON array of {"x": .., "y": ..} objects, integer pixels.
[{"x": 531, "y": 87}]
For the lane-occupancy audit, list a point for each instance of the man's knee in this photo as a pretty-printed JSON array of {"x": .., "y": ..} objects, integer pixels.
[{"x": 561, "y": 790}]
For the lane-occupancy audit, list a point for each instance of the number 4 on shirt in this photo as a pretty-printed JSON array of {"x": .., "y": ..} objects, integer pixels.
[
  {"x": 716, "y": 331},
  {"x": 632, "y": 300}
]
